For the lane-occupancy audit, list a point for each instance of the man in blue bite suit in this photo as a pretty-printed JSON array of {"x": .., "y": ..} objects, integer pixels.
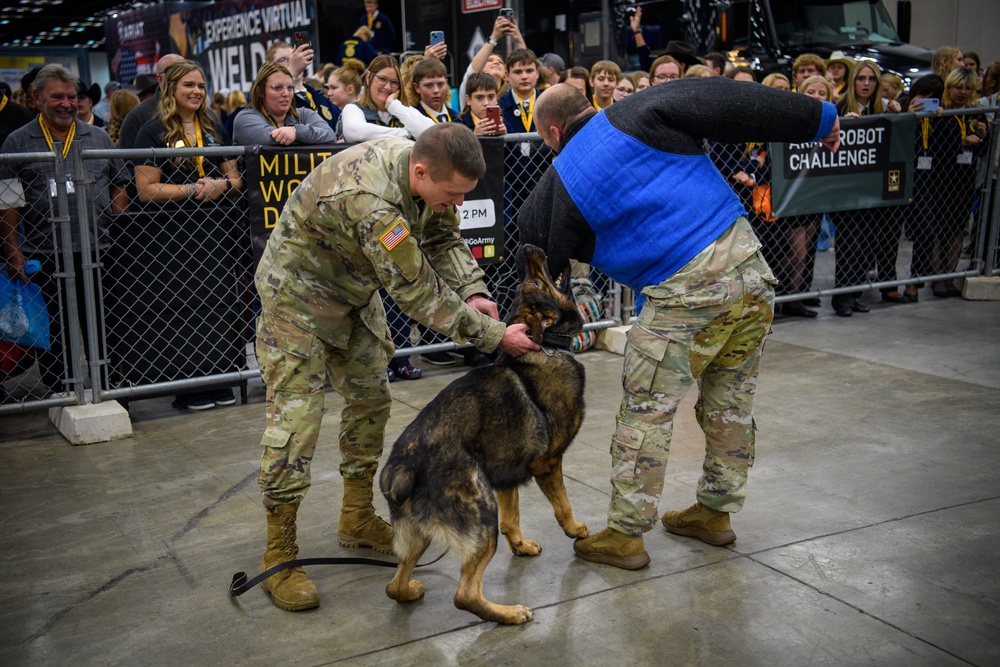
[{"x": 633, "y": 194}]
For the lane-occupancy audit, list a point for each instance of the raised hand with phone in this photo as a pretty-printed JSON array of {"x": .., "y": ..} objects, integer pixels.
[
  {"x": 437, "y": 47},
  {"x": 302, "y": 54},
  {"x": 505, "y": 26}
]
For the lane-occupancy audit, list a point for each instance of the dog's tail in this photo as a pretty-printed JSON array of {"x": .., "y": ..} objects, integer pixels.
[{"x": 396, "y": 482}]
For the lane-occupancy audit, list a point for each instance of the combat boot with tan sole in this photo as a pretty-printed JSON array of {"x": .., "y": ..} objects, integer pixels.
[
  {"x": 359, "y": 525},
  {"x": 704, "y": 523},
  {"x": 291, "y": 589},
  {"x": 611, "y": 547}
]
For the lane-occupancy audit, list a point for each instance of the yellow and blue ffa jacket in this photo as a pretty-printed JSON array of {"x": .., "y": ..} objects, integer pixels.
[
  {"x": 518, "y": 117},
  {"x": 632, "y": 191},
  {"x": 310, "y": 98}
]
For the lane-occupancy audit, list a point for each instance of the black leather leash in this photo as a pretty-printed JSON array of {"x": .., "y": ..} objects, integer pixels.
[{"x": 240, "y": 585}]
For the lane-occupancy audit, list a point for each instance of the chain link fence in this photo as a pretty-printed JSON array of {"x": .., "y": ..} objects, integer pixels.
[
  {"x": 940, "y": 235},
  {"x": 159, "y": 300}
]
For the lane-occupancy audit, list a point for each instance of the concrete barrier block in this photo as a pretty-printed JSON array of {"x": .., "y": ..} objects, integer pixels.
[
  {"x": 613, "y": 339},
  {"x": 94, "y": 422},
  {"x": 982, "y": 289}
]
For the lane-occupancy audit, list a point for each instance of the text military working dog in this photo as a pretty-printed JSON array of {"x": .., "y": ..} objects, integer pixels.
[{"x": 491, "y": 430}]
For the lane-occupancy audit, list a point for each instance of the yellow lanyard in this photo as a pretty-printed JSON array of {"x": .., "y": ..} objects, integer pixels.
[
  {"x": 597, "y": 106},
  {"x": 269, "y": 119},
  {"x": 961, "y": 125},
  {"x": 925, "y": 130},
  {"x": 526, "y": 115},
  {"x": 3, "y": 102},
  {"x": 371, "y": 19},
  {"x": 91, "y": 121},
  {"x": 48, "y": 136},
  {"x": 199, "y": 160}
]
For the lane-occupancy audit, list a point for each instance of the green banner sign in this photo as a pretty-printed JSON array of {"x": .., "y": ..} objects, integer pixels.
[{"x": 873, "y": 167}]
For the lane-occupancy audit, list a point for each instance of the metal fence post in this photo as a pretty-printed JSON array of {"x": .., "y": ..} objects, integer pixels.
[
  {"x": 89, "y": 263},
  {"x": 72, "y": 326},
  {"x": 990, "y": 234}
]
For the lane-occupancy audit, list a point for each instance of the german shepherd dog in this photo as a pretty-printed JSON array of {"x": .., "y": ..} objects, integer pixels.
[{"x": 482, "y": 437}]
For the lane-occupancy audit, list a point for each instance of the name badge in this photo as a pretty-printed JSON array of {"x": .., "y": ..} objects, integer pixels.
[
  {"x": 965, "y": 157},
  {"x": 526, "y": 148},
  {"x": 923, "y": 162}
]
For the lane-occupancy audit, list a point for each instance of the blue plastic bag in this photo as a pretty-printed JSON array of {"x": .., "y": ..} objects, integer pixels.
[
  {"x": 24, "y": 319},
  {"x": 826, "y": 234}
]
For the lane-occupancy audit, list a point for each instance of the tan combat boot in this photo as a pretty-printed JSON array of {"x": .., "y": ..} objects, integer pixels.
[
  {"x": 706, "y": 524},
  {"x": 291, "y": 589},
  {"x": 613, "y": 548},
  {"x": 359, "y": 525}
]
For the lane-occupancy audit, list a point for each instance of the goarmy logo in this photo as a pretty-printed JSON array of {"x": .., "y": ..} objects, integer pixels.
[{"x": 894, "y": 180}]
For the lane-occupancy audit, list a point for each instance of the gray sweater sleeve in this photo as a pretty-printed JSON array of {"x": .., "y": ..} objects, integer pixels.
[
  {"x": 252, "y": 128},
  {"x": 312, "y": 129}
]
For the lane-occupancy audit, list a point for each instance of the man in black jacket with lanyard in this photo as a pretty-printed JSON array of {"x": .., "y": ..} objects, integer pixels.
[{"x": 633, "y": 194}]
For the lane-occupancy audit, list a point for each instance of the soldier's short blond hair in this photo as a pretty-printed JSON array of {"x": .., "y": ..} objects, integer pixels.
[{"x": 447, "y": 148}]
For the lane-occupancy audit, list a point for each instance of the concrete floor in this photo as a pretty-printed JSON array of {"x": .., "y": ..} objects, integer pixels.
[{"x": 870, "y": 535}]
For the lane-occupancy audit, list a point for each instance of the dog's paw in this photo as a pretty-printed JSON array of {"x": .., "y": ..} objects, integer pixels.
[
  {"x": 577, "y": 530},
  {"x": 526, "y": 548},
  {"x": 413, "y": 590},
  {"x": 516, "y": 615}
]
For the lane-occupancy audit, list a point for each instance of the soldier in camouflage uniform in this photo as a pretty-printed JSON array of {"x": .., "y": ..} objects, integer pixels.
[
  {"x": 380, "y": 214},
  {"x": 633, "y": 194}
]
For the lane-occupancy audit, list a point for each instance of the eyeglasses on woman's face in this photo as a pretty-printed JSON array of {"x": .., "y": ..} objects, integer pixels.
[
  {"x": 281, "y": 87},
  {"x": 624, "y": 90},
  {"x": 385, "y": 81}
]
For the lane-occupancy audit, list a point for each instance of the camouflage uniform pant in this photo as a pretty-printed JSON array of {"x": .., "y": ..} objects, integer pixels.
[
  {"x": 713, "y": 335},
  {"x": 295, "y": 365}
]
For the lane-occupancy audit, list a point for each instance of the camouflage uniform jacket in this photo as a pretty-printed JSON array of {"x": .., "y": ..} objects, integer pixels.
[{"x": 352, "y": 227}]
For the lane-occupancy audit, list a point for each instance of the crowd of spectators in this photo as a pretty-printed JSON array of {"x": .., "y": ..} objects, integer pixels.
[{"x": 366, "y": 93}]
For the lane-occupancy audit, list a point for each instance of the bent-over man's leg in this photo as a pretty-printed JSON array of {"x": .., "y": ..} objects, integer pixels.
[
  {"x": 728, "y": 385},
  {"x": 358, "y": 374},
  {"x": 726, "y": 364},
  {"x": 293, "y": 367}
]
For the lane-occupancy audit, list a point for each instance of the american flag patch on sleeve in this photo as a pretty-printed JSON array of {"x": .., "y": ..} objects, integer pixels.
[{"x": 394, "y": 236}]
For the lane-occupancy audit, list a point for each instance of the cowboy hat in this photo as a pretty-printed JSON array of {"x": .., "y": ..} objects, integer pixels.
[
  {"x": 94, "y": 92},
  {"x": 28, "y": 79},
  {"x": 682, "y": 51},
  {"x": 145, "y": 84},
  {"x": 840, "y": 57}
]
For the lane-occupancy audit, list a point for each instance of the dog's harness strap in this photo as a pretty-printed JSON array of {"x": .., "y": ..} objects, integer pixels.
[{"x": 239, "y": 585}]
